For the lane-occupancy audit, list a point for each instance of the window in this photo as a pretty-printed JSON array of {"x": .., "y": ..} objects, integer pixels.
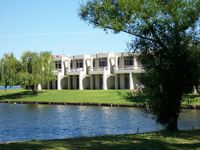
[
  {"x": 102, "y": 62},
  {"x": 118, "y": 61},
  {"x": 128, "y": 61},
  {"x": 79, "y": 63},
  {"x": 94, "y": 63},
  {"x": 58, "y": 64},
  {"x": 71, "y": 64}
]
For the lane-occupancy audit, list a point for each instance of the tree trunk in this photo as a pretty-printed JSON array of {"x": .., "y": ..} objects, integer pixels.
[
  {"x": 5, "y": 88},
  {"x": 173, "y": 124},
  {"x": 34, "y": 89}
]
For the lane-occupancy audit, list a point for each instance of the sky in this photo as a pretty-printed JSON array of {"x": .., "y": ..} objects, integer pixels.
[{"x": 52, "y": 25}]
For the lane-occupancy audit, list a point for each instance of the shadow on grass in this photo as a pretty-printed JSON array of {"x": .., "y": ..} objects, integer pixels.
[
  {"x": 19, "y": 95},
  {"x": 133, "y": 97},
  {"x": 188, "y": 134},
  {"x": 22, "y": 146},
  {"x": 155, "y": 141}
]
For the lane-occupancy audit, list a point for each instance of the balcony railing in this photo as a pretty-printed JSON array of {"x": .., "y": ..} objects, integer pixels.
[
  {"x": 129, "y": 67},
  {"x": 99, "y": 69},
  {"x": 75, "y": 70},
  {"x": 57, "y": 70}
]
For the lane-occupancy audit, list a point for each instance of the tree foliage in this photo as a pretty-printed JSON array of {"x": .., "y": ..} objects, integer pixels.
[
  {"x": 9, "y": 67},
  {"x": 166, "y": 33},
  {"x": 36, "y": 68}
]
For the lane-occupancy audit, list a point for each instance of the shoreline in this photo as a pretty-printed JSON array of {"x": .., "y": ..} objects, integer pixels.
[
  {"x": 97, "y": 136},
  {"x": 184, "y": 106},
  {"x": 182, "y": 139}
]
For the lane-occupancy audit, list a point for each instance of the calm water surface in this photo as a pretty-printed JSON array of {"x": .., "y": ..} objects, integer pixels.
[{"x": 28, "y": 122}]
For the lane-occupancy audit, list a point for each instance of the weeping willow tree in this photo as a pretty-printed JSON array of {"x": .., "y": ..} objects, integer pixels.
[
  {"x": 9, "y": 67},
  {"x": 36, "y": 68},
  {"x": 166, "y": 33}
]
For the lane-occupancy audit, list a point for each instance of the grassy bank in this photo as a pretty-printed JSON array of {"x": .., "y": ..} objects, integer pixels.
[
  {"x": 163, "y": 140},
  {"x": 84, "y": 96}
]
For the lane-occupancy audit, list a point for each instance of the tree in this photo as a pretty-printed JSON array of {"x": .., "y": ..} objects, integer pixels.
[
  {"x": 197, "y": 84},
  {"x": 36, "y": 69},
  {"x": 48, "y": 66},
  {"x": 9, "y": 67},
  {"x": 166, "y": 33}
]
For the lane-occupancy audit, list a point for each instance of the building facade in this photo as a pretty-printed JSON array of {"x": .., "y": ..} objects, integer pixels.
[{"x": 101, "y": 71}]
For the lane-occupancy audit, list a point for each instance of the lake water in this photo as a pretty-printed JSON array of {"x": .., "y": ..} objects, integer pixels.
[
  {"x": 10, "y": 87},
  {"x": 28, "y": 122}
]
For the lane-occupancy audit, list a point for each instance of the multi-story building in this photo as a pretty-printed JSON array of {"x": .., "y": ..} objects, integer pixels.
[{"x": 100, "y": 71}]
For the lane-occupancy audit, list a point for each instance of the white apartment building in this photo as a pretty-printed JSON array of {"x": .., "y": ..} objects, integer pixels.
[{"x": 101, "y": 71}]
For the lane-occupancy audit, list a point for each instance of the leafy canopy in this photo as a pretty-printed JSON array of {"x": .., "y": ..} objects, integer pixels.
[
  {"x": 9, "y": 67},
  {"x": 167, "y": 35},
  {"x": 36, "y": 68}
]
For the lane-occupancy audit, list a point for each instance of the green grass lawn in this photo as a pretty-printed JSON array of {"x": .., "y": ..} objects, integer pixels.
[
  {"x": 192, "y": 99},
  {"x": 163, "y": 140},
  {"x": 84, "y": 96}
]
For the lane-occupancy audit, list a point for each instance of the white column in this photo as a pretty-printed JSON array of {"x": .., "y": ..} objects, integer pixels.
[
  {"x": 62, "y": 67},
  {"x": 116, "y": 63},
  {"x": 131, "y": 81},
  {"x": 91, "y": 64},
  {"x": 104, "y": 81},
  {"x": 135, "y": 63},
  {"x": 39, "y": 87},
  {"x": 84, "y": 66},
  {"x": 80, "y": 82},
  {"x": 69, "y": 65},
  {"x": 108, "y": 64},
  {"x": 59, "y": 82},
  {"x": 116, "y": 81}
]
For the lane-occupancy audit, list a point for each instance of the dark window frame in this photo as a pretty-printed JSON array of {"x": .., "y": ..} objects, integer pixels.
[
  {"x": 103, "y": 62},
  {"x": 128, "y": 61}
]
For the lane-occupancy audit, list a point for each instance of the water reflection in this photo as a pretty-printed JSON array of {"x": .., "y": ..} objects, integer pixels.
[
  {"x": 189, "y": 119},
  {"x": 27, "y": 122}
]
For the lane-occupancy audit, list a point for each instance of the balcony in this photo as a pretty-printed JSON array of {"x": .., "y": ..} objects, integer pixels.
[
  {"x": 128, "y": 69},
  {"x": 98, "y": 70},
  {"x": 57, "y": 71},
  {"x": 74, "y": 71}
]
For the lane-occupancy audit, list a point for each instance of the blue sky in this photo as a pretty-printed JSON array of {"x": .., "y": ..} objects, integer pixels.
[{"x": 52, "y": 25}]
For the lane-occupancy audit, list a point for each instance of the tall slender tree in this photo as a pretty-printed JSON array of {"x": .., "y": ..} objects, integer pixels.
[
  {"x": 9, "y": 67},
  {"x": 166, "y": 33}
]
